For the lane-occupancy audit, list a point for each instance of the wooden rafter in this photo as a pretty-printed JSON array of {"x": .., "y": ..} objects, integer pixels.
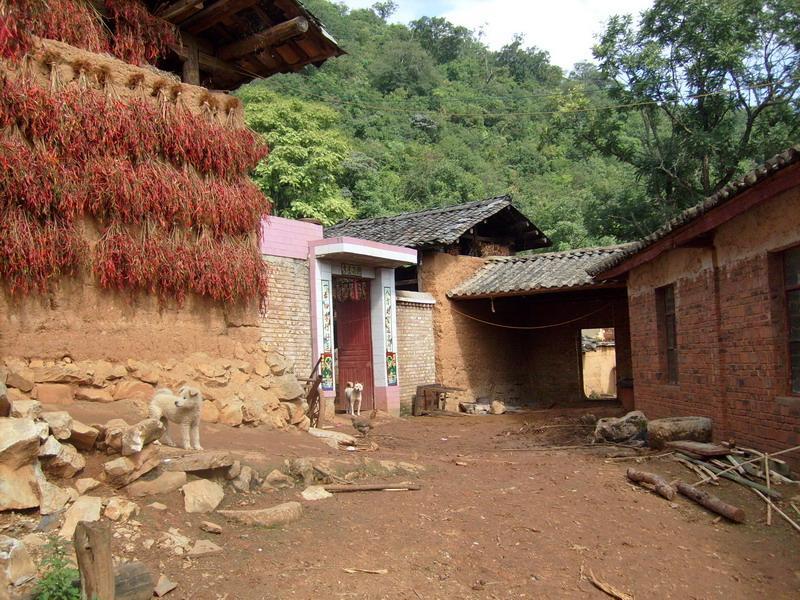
[{"x": 267, "y": 38}]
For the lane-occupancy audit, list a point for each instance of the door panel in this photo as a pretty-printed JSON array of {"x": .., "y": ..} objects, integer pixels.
[{"x": 354, "y": 343}]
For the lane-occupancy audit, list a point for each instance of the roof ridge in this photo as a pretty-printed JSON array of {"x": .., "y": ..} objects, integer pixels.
[
  {"x": 561, "y": 253},
  {"x": 427, "y": 211}
]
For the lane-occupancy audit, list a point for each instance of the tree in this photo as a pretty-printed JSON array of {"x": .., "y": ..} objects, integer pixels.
[
  {"x": 385, "y": 9},
  {"x": 404, "y": 64},
  {"x": 704, "y": 88},
  {"x": 440, "y": 37},
  {"x": 307, "y": 152},
  {"x": 527, "y": 64}
]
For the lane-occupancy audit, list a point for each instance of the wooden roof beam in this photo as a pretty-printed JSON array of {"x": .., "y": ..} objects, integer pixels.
[
  {"x": 274, "y": 36},
  {"x": 210, "y": 15},
  {"x": 170, "y": 11}
]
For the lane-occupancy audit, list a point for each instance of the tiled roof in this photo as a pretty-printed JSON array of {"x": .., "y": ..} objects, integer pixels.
[
  {"x": 439, "y": 226},
  {"x": 538, "y": 272},
  {"x": 728, "y": 193}
]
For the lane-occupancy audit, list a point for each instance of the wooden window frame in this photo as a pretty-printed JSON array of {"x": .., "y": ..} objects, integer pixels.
[
  {"x": 786, "y": 290},
  {"x": 668, "y": 324}
]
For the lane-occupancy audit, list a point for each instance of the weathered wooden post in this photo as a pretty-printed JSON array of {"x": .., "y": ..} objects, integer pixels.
[{"x": 93, "y": 550}]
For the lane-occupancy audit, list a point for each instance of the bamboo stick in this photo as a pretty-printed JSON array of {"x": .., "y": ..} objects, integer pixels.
[
  {"x": 752, "y": 460},
  {"x": 766, "y": 476},
  {"x": 779, "y": 511}
]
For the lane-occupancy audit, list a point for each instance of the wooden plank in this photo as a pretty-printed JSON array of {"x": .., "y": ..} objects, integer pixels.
[
  {"x": 267, "y": 38},
  {"x": 170, "y": 11},
  {"x": 207, "y": 17},
  {"x": 93, "y": 550},
  {"x": 699, "y": 448},
  {"x": 133, "y": 581},
  {"x": 372, "y": 487}
]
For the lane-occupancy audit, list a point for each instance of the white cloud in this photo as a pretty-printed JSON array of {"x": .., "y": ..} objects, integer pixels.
[{"x": 567, "y": 29}]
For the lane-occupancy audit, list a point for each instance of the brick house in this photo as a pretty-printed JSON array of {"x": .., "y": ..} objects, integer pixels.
[{"x": 714, "y": 301}]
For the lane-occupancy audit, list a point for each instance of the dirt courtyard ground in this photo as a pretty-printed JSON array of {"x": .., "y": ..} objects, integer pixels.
[{"x": 496, "y": 517}]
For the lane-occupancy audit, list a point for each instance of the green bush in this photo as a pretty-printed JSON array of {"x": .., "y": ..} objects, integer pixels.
[{"x": 59, "y": 581}]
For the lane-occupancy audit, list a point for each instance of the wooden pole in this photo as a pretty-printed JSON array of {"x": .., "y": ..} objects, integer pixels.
[
  {"x": 728, "y": 475},
  {"x": 661, "y": 486},
  {"x": 752, "y": 460},
  {"x": 93, "y": 550},
  {"x": 712, "y": 503},
  {"x": 273, "y": 36},
  {"x": 372, "y": 487},
  {"x": 766, "y": 476},
  {"x": 191, "y": 66}
]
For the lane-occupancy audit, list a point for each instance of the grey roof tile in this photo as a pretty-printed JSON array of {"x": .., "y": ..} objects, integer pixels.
[
  {"x": 537, "y": 272},
  {"x": 439, "y": 226}
]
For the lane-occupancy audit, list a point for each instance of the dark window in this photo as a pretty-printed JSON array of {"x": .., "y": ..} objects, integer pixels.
[
  {"x": 791, "y": 280},
  {"x": 665, "y": 309}
]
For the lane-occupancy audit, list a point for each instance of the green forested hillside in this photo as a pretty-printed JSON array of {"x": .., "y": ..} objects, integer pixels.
[{"x": 426, "y": 115}]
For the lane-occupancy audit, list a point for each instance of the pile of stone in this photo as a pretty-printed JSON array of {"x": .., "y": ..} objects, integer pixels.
[{"x": 257, "y": 386}]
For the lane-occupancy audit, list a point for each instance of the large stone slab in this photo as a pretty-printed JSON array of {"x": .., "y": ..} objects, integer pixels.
[
  {"x": 86, "y": 508},
  {"x": 126, "y": 469},
  {"x": 275, "y": 515},
  {"x": 88, "y": 394},
  {"x": 20, "y": 378},
  {"x": 200, "y": 461},
  {"x": 19, "y": 442},
  {"x": 202, "y": 496},
  {"x": 53, "y": 499},
  {"x": 286, "y": 387},
  {"x": 60, "y": 373},
  {"x": 54, "y": 393},
  {"x": 132, "y": 390},
  {"x": 16, "y": 565},
  {"x": 163, "y": 484}
]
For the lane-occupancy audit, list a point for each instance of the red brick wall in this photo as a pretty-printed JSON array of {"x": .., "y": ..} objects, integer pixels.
[{"x": 731, "y": 330}]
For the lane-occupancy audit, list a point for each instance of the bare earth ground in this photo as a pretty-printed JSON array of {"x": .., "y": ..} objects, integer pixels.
[{"x": 510, "y": 523}]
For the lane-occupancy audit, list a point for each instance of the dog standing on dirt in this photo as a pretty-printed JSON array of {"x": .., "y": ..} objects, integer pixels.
[
  {"x": 353, "y": 394},
  {"x": 182, "y": 409}
]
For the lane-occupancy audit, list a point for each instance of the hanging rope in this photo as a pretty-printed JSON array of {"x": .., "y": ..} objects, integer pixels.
[{"x": 530, "y": 327}]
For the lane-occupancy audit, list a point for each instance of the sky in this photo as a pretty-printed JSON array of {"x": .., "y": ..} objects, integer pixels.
[{"x": 567, "y": 29}]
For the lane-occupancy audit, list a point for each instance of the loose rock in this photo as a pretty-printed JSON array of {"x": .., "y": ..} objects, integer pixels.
[
  {"x": 157, "y": 506},
  {"x": 633, "y": 426},
  {"x": 16, "y": 565},
  {"x": 163, "y": 484},
  {"x": 278, "y": 480},
  {"x": 126, "y": 469},
  {"x": 86, "y": 484},
  {"x": 26, "y": 409},
  {"x": 19, "y": 442},
  {"x": 83, "y": 436},
  {"x": 243, "y": 481},
  {"x": 164, "y": 586},
  {"x": 66, "y": 463},
  {"x": 51, "y": 447},
  {"x": 497, "y": 407},
  {"x": 86, "y": 508},
  {"x": 201, "y": 461},
  {"x": 210, "y": 527},
  {"x": 315, "y": 492},
  {"x": 60, "y": 423},
  {"x": 53, "y": 498},
  {"x": 204, "y": 548},
  {"x": 120, "y": 509},
  {"x": 202, "y": 496}
]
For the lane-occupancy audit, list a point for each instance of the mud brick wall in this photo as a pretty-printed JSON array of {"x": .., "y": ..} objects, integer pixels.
[
  {"x": 287, "y": 323},
  {"x": 416, "y": 353},
  {"x": 731, "y": 329},
  {"x": 538, "y": 367}
]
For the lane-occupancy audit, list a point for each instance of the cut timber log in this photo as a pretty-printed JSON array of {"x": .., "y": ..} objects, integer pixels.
[
  {"x": 136, "y": 437},
  {"x": 661, "y": 486},
  {"x": 372, "y": 487},
  {"x": 273, "y": 36},
  {"x": 712, "y": 503},
  {"x": 733, "y": 477},
  {"x": 93, "y": 551},
  {"x": 661, "y": 431}
]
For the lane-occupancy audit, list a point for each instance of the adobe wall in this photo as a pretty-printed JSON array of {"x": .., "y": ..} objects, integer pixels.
[
  {"x": 600, "y": 372},
  {"x": 524, "y": 367},
  {"x": 80, "y": 320},
  {"x": 416, "y": 356},
  {"x": 730, "y": 326}
]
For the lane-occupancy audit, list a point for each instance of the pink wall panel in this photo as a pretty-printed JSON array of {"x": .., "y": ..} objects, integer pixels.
[{"x": 288, "y": 238}]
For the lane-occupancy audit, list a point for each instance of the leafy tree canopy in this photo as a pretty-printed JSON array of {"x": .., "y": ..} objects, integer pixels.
[{"x": 427, "y": 115}]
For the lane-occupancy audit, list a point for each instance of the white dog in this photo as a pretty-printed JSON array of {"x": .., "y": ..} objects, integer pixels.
[
  {"x": 353, "y": 394},
  {"x": 183, "y": 409}
]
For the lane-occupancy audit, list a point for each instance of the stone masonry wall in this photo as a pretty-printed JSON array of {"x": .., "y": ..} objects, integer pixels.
[
  {"x": 732, "y": 343},
  {"x": 287, "y": 323},
  {"x": 415, "y": 347}
]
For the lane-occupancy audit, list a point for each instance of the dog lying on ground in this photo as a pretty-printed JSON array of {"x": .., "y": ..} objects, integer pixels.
[
  {"x": 353, "y": 394},
  {"x": 182, "y": 409}
]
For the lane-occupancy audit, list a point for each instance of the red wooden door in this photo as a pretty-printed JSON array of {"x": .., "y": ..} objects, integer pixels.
[{"x": 354, "y": 343}]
